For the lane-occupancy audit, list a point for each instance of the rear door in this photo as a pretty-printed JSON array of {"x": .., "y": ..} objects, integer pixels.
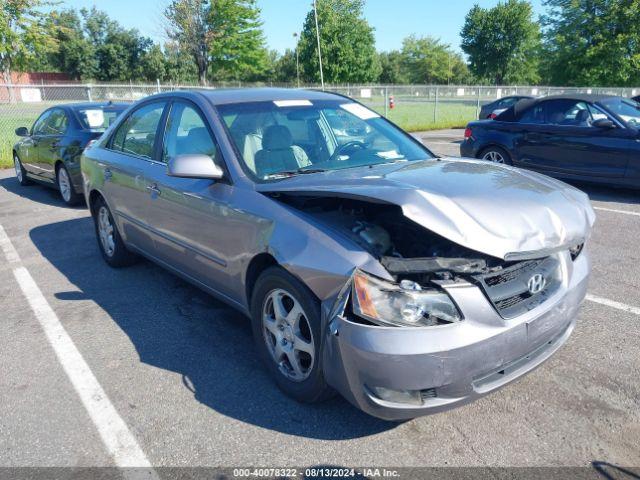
[{"x": 133, "y": 152}]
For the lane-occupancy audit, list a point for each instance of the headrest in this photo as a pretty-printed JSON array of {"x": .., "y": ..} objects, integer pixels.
[
  {"x": 582, "y": 116},
  {"x": 199, "y": 141},
  {"x": 276, "y": 137}
]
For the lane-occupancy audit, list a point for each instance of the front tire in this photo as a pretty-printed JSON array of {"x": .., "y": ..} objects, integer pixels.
[
  {"x": 496, "y": 155},
  {"x": 65, "y": 186},
  {"x": 110, "y": 242},
  {"x": 21, "y": 173},
  {"x": 287, "y": 333}
]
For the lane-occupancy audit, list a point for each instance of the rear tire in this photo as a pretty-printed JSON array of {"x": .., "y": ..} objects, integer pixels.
[
  {"x": 289, "y": 345},
  {"x": 21, "y": 173},
  {"x": 496, "y": 155},
  {"x": 65, "y": 186},
  {"x": 110, "y": 242}
]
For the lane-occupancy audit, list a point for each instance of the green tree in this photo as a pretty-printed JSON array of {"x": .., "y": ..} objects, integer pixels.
[
  {"x": 503, "y": 42},
  {"x": 346, "y": 40},
  {"x": 73, "y": 53},
  {"x": 391, "y": 68},
  {"x": 179, "y": 66},
  {"x": 21, "y": 34},
  {"x": 224, "y": 37},
  {"x": 428, "y": 60},
  {"x": 153, "y": 64},
  {"x": 592, "y": 42},
  {"x": 285, "y": 68},
  {"x": 118, "y": 51}
]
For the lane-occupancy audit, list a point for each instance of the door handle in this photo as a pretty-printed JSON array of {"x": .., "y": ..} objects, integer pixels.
[
  {"x": 154, "y": 189},
  {"x": 107, "y": 174}
]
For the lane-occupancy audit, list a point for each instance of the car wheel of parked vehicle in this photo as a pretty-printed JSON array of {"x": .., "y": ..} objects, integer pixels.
[
  {"x": 286, "y": 329},
  {"x": 111, "y": 245},
  {"x": 21, "y": 174},
  {"x": 65, "y": 186},
  {"x": 496, "y": 154}
]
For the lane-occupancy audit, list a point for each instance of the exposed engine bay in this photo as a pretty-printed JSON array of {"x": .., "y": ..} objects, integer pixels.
[{"x": 407, "y": 250}]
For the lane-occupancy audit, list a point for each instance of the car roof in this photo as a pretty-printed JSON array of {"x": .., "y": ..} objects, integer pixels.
[
  {"x": 79, "y": 105},
  {"x": 514, "y": 112},
  {"x": 246, "y": 95}
]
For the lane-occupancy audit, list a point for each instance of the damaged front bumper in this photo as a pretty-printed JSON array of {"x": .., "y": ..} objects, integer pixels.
[{"x": 449, "y": 365}]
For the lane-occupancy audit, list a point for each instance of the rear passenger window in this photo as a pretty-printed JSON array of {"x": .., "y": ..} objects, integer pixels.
[
  {"x": 137, "y": 134},
  {"x": 187, "y": 134}
]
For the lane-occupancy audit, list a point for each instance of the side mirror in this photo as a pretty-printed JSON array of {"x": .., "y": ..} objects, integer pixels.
[
  {"x": 22, "y": 131},
  {"x": 603, "y": 123},
  {"x": 194, "y": 166}
]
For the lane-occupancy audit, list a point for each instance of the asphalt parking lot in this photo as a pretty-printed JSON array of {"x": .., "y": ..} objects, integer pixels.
[{"x": 180, "y": 370}]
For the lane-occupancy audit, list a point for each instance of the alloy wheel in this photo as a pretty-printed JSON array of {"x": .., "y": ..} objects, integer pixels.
[
  {"x": 493, "y": 156},
  {"x": 18, "y": 166},
  {"x": 64, "y": 184},
  {"x": 287, "y": 333},
  {"x": 106, "y": 231}
]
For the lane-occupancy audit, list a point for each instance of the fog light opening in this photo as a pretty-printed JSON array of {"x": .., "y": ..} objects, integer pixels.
[{"x": 409, "y": 397}]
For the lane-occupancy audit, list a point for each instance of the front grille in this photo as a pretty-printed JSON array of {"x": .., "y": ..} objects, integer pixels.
[
  {"x": 508, "y": 289},
  {"x": 510, "y": 274}
]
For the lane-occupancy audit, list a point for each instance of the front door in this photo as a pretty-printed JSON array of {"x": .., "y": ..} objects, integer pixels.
[
  {"x": 567, "y": 143},
  {"x": 50, "y": 142},
  {"x": 195, "y": 228},
  {"x": 29, "y": 146}
]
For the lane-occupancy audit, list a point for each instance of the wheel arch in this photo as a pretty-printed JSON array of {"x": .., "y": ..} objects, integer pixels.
[
  {"x": 257, "y": 265},
  {"x": 94, "y": 195}
]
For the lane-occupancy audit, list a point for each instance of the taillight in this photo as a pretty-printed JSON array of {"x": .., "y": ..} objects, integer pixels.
[
  {"x": 492, "y": 116},
  {"x": 467, "y": 133}
]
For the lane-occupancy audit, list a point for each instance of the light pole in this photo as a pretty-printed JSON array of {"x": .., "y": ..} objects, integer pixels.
[
  {"x": 295, "y": 35},
  {"x": 315, "y": 13}
]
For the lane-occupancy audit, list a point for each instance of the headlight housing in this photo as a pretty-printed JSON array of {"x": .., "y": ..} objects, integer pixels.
[
  {"x": 576, "y": 250},
  {"x": 401, "y": 305}
]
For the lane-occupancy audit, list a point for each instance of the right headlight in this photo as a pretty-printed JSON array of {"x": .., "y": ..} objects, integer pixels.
[
  {"x": 575, "y": 251},
  {"x": 403, "y": 305}
]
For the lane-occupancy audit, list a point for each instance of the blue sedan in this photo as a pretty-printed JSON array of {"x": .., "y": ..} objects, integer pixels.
[{"x": 594, "y": 138}]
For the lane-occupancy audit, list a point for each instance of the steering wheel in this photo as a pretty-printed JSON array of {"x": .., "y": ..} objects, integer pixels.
[{"x": 341, "y": 148}]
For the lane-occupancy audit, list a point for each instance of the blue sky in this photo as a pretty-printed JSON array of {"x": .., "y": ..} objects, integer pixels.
[{"x": 393, "y": 20}]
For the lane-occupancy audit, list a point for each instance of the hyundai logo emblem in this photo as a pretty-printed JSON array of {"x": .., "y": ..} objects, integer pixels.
[{"x": 536, "y": 283}]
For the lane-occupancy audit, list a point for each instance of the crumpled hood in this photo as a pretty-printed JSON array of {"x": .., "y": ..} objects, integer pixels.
[{"x": 502, "y": 211}]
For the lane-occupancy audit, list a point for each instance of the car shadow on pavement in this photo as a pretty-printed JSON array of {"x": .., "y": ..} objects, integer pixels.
[
  {"x": 177, "y": 327},
  {"x": 609, "y": 194},
  {"x": 613, "y": 472},
  {"x": 37, "y": 193}
]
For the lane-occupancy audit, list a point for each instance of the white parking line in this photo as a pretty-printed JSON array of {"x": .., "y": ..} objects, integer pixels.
[
  {"x": 118, "y": 440},
  {"x": 626, "y": 212},
  {"x": 613, "y": 304}
]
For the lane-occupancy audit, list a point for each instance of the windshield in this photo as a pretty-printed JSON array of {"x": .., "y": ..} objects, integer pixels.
[
  {"x": 626, "y": 109},
  {"x": 97, "y": 118},
  {"x": 284, "y": 138}
]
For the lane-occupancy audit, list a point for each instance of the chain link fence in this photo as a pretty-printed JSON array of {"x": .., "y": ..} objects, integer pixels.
[{"x": 413, "y": 107}]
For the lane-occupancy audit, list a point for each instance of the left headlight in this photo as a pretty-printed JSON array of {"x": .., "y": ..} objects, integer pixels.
[{"x": 403, "y": 305}]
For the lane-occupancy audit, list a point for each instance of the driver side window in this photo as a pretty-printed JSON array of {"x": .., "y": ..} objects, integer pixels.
[
  {"x": 187, "y": 134},
  {"x": 38, "y": 127}
]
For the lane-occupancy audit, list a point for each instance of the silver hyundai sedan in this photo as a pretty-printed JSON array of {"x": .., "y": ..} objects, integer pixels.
[{"x": 410, "y": 284}]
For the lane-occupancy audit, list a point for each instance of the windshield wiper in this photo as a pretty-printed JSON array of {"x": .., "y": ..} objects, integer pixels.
[{"x": 298, "y": 171}]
